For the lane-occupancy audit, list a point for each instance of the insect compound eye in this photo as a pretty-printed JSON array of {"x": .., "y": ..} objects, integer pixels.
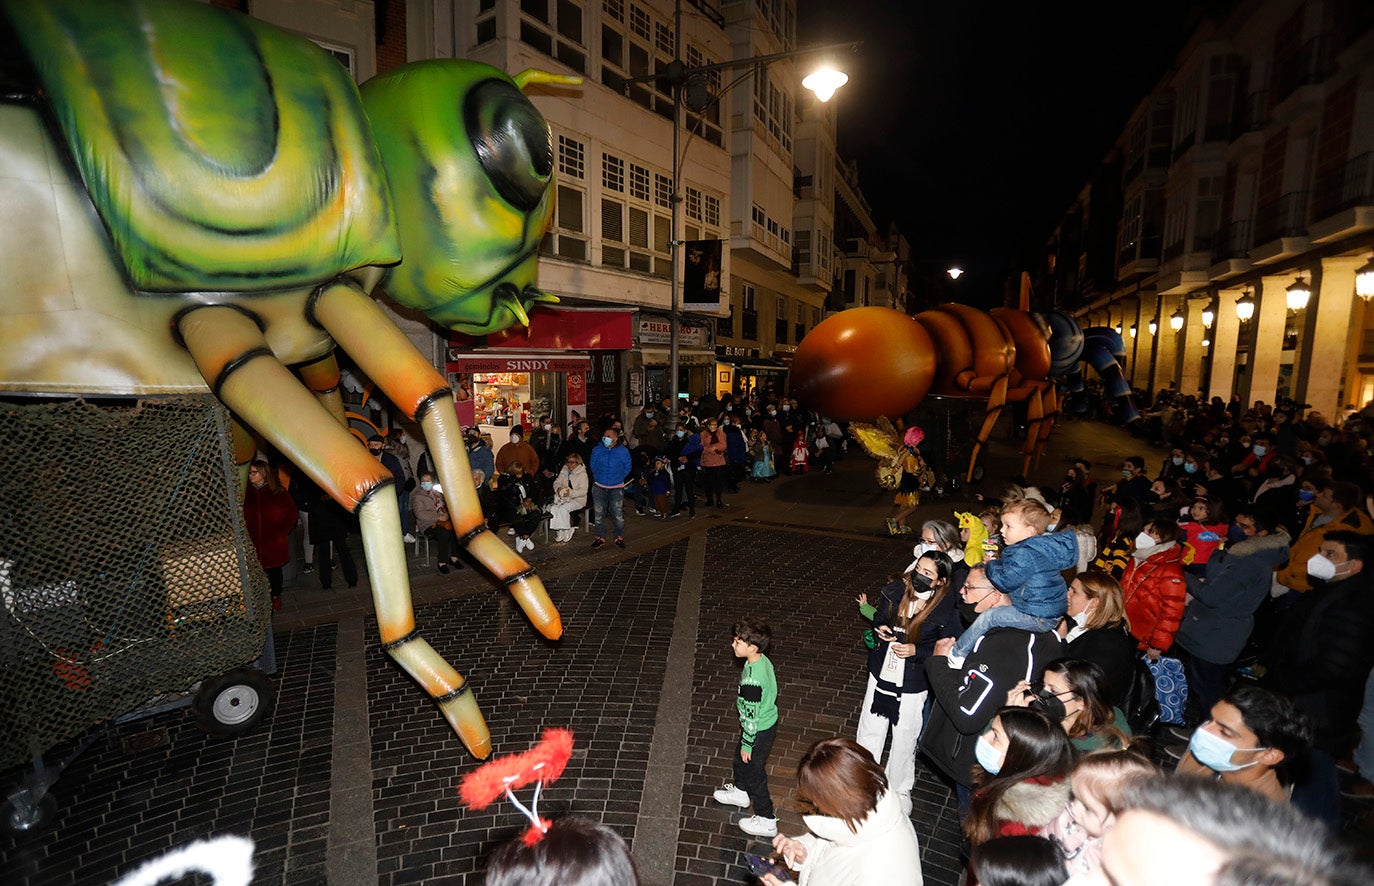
[{"x": 512, "y": 141}]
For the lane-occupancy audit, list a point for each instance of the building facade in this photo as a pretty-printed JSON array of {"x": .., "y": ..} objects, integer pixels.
[
  {"x": 1242, "y": 181},
  {"x": 757, "y": 171}
]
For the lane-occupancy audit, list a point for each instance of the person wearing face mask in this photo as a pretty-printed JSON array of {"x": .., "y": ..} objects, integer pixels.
[
  {"x": 772, "y": 431},
  {"x": 684, "y": 455},
  {"x": 1154, "y": 588},
  {"x": 1220, "y": 613},
  {"x": 913, "y": 612},
  {"x": 432, "y": 520},
  {"x": 376, "y": 445},
  {"x": 640, "y": 425},
  {"x": 1025, "y": 759},
  {"x": 1095, "y": 629},
  {"x": 1251, "y": 739},
  {"x": 1257, "y": 461},
  {"x": 480, "y": 456},
  {"x": 1074, "y": 694},
  {"x": 1133, "y": 485},
  {"x": 964, "y": 700},
  {"x": 942, "y": 536},
  {"x": 1335, "y": 508},
  {"x": 610, "y": 466},
  {"x": 270, "y": 515},
  {"x": 516, "y": 449},
  {"x": 1322, "y": 654}
]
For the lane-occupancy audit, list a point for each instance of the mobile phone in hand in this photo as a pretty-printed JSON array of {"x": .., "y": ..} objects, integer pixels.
[{"x": 758, "y": 866}]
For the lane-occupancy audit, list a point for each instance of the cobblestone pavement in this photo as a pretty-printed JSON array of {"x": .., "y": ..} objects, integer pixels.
[{"x": 353, "y": 779}]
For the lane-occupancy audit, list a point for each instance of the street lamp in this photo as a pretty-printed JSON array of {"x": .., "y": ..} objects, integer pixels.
[
  {"x": 1132, "y": 330},
  {"x": 1364, "y": 280},
  {"x": 1209, "y": 315},
  {"x": 955, "y": 272},
  {"x": 1245, "y": 306},
  {"x": 1118, "y": 327},
  {"x": 1154, "y": 325},
  {"x": 822, "y": 82},
  {"x": 1298, "y": 294},
  {"x": 1177, "y": 319}
]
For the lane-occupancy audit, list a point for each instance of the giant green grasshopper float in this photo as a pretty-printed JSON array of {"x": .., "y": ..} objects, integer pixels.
[{"x": 193, "y": 200}]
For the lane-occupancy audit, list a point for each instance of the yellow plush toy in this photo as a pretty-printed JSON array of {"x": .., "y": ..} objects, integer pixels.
[{"x": 977, "y": 534}]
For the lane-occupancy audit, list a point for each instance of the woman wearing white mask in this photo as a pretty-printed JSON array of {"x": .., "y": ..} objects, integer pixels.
[
  {"x": 1252, "y": 736},
  {"x": 1154, "y": 588},
  {"x": 569, "y": 497},
  {"x": 912, "y": 613},
  {"x": 1095, "y": 629},
  {"x": 1026, "y": 758}
]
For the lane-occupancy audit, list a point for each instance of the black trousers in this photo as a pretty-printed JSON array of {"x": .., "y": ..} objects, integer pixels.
[
  {"x": 715, "y": 484},
  {"x": 685, "y": 489},
  {"x": 324, "y": 562},
  {"x": 752, "y": 777}
]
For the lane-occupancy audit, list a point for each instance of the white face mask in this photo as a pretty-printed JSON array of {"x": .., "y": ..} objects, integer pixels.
[
  {"x": 1143, "y": 541},
  {"x": 1321, "y": 568},
  {"x": 1082, "y": 618}
]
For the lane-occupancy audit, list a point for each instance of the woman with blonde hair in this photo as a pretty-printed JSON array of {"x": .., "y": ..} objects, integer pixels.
[
  {"x": 1096, "y": 629},
  {"x": 859, "y": 834},
  {"x": 569, "y": 497}
]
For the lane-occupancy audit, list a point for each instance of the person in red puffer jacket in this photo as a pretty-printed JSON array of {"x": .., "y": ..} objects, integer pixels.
[
  {"x": 270, "y": 515},
  {"x": 1154, "y": 587}
]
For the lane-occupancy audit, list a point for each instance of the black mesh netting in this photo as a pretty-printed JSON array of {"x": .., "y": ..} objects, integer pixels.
[{"x": 125, "y": 570}]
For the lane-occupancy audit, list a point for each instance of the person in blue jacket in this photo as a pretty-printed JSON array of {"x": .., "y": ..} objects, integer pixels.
[
  {"x": 1029, "y": 571},
  {"x": 611, "y": 465},
  {"x": 684, "y": 453},
  {"x": 736, "y": 452}
]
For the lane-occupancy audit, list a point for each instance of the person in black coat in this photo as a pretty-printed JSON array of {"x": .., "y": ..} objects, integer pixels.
[
  {"x": 966, "y": 698},
  {"x": 1094, "y": 629},
  {"x": 329, "y": 526}
]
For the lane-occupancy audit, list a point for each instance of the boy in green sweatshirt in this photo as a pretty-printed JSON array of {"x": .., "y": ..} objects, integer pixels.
[{"x": 758, "y": 720}]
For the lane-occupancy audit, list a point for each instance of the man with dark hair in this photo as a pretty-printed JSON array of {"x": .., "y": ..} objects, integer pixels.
[
  {"x": 964, "y": 700},
  {"x": 1221, "y": 610},
  {"x": 1252, "y": 737},
  {"x": 1197, "y": 831},
  {"x": 1323, "y": 654},
  {"x": 1134, "y": 483},
  {"x": 1335, "y": 508}
]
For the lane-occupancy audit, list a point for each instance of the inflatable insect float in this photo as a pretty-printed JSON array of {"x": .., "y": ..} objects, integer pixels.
[
  {"x": 196, "y": 201},
  {"x": 864, "y": 363}
]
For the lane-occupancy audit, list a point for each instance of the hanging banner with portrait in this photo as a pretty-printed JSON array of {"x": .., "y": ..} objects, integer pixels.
[{"x": 701, "y": 277}]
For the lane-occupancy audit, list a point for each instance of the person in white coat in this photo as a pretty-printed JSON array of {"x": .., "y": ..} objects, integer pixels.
[
  {"x": 858, "y": 832},
  {"x": 569, "y": 497}
]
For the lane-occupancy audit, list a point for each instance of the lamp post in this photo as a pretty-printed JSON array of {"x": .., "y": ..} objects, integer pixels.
[{"x": 823, "y": 83}]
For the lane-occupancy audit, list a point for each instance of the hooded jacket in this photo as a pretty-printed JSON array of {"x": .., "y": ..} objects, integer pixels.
[
  {"x": 1031, "y": 806},
  {"x": 1029, "y": 572},
  {"x": 1218, "y": 621},
  {"x": 1309, "y": 542},
  {"x": 883, "y": 849}
]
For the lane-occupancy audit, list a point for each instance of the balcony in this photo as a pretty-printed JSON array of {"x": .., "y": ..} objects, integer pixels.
[
  {"x": 749, "y": 325},
  {"x": 1349, "y": 186},
  {"x": 1172, "y": 251},
  {"x": 725, "y": 326},
  {"x": 1285, "y": 217},
  {"x": 1140, "y": 255},
  {"x": 1232, "y": 242},
  {"x": 1308, "y": 66}
]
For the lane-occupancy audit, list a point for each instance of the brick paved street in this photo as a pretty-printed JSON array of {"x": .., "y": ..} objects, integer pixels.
[{"x": 353, "y": 780}]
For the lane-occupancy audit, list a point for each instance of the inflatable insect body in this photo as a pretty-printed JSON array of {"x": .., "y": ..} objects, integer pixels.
[{"x": 195, "y": 201}]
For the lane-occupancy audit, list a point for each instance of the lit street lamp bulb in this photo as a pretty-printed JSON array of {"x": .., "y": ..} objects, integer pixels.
[
  {"x": 955, "y": 273},
  {"x": 825, "y": 81}
]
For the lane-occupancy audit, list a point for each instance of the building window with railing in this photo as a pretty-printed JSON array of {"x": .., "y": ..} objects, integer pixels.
[
  {"x": 555, "y": 28},
  {"x": 567, "y": 234},
  {"x": 725, "y": 326},
  {"x": 634, "y": 235},
  {"x": 772, "y": 112},
  {"x": 749, "y": 313},
  {"x": 799, "y": 330}
]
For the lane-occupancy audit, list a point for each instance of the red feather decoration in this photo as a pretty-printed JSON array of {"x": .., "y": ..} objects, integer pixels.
[{"x": 543, "y": 763}]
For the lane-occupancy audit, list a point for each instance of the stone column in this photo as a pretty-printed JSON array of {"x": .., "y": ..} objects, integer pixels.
[
  {"x": 1266, "y": 348},
  {"x": 1332, "y": 330},
  {"x": 1225, "y": 344},
  {"x": 1166, "y": 345},
  {"x": 1190, "y": 349}
]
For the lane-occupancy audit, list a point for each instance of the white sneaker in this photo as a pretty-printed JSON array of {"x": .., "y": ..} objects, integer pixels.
[
  {"x": 529, "y": 544},
  {"x": 510, "y": 531},
  {"x": 409, "y": 539},
  {"x": 732, "y": 796},
  {"x": 758, "y": 826}
]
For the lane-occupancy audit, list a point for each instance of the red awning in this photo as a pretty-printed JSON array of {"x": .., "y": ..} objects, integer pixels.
[
  {"x": 558, "y": 329},
  {"x": 486, "y": 361}
]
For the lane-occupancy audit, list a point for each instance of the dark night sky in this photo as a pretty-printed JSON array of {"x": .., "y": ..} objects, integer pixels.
[{"x": 975, "y": 124}]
